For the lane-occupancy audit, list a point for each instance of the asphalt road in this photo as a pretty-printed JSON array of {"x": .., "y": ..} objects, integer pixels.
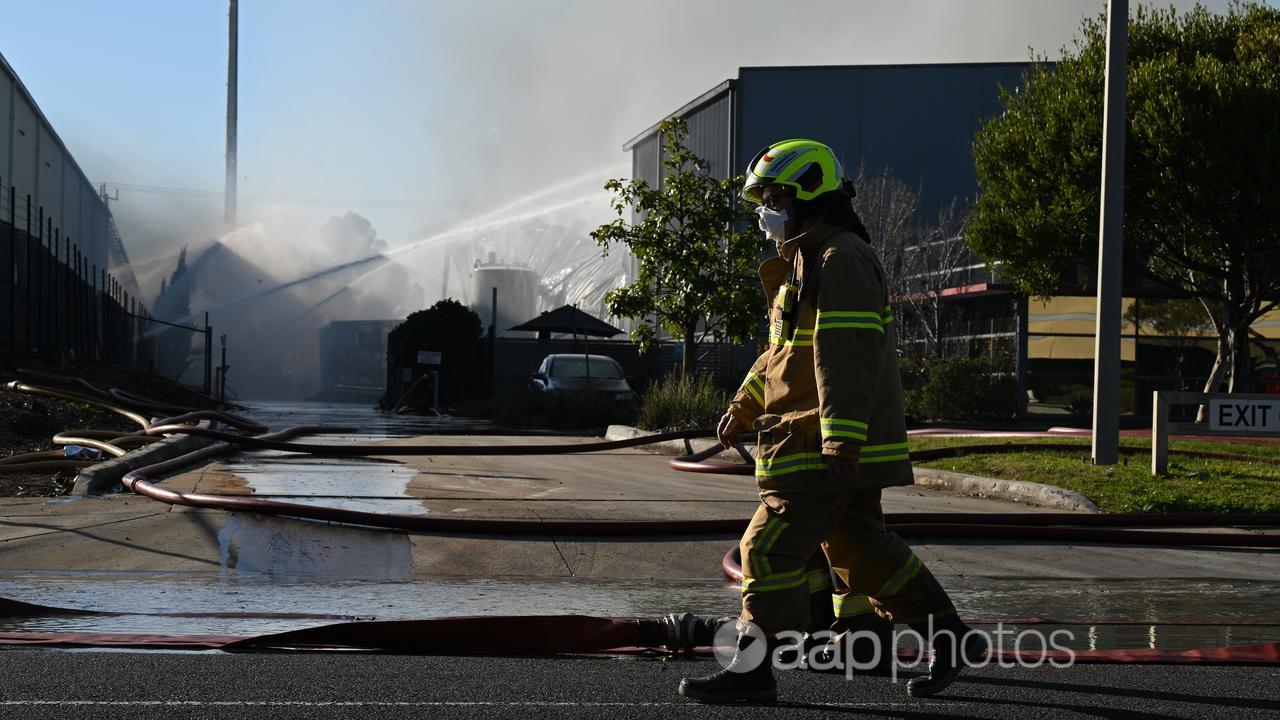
[{"x": 136, "y": 685}]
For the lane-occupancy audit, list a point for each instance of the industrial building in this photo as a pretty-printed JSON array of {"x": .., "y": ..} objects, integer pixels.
[
  {"x": 57, "y": 299},
  {"x": 353, "y": 360},
  {"x": 34, "y": 162},
  {"x": 919, "y": 122}
]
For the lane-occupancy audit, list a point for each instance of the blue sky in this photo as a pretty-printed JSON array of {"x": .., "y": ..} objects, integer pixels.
[{"x": 458, "y": 106}]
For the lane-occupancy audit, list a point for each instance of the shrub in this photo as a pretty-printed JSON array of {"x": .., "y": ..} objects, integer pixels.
[
  {"x": 914, "y": 375},
  {"x": 960, "y": 389},
  {"x": 676, "y": 402}
]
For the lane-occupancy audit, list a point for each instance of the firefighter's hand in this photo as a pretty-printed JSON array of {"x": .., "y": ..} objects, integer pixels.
[
  {"x": 842, "y": 469},
  {"x": 728, "y": 430}
]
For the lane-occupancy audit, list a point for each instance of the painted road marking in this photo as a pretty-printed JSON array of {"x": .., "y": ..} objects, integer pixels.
[{"x": 425, "y": 703}]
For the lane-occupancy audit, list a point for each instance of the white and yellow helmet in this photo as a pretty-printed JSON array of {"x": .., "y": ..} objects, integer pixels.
[{"x": 807, "y": 166}]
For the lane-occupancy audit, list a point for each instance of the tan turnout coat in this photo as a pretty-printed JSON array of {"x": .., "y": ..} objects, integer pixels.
[{"x": 828, "y": 382}]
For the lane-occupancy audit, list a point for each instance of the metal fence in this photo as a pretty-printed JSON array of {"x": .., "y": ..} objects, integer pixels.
[{"x": 55, "y": 305}]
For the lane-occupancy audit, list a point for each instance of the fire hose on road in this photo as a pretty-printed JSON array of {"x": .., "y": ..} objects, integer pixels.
[
  {"x": 592, "y": 634},
  {"x": 1062, "y": 527}
]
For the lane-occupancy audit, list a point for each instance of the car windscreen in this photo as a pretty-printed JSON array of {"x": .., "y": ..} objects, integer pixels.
[{"x": 576, "y": 367}]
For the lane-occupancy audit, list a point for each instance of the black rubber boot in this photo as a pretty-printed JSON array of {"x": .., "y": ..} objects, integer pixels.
[
  {"x": 947, "y": 660},
  {"x": 747, "y": 679},
  {"x": 865, "y": 647}
]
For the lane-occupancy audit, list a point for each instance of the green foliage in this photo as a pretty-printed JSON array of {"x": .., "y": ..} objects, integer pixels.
[
  {"x": 678, "y": 401},
  {"x": 559, "y": 411},
  {"x": 1192, "y": 485},
  {"x": 446, "y": 321},
  {"x": 1172, "y": 318},
  {"x": 448, "y": 327},
  {"x": 1202, "y": 162},
  {"x": 1077, "y": 397},
  {"x": 959, "y": 389},
  {"x": 697, "y": 267}
]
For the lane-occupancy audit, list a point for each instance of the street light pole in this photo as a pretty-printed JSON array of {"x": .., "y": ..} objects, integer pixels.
[
  {"x": 1106, "y": 357},
  {"x": 233, "y": 52}
]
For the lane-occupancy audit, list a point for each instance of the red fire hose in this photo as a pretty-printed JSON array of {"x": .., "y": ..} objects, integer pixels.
[{"x": 588, "y": 634}]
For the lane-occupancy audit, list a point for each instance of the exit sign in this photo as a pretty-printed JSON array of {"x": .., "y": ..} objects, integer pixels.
[{"x": 1245, "y": 416}]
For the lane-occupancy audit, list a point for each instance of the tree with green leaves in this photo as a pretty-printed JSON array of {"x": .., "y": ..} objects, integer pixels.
[
  {"x": 1202, "y": 167},
  {"x": 447, "y": 327},
  {"x": 697, "y": 255}
]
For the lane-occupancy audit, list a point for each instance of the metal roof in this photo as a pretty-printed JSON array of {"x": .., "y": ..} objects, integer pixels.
[
  {"x": 730, "y": 84},
  {"x": 705, "y": 98},
  {"x": 26, "y": 95}
]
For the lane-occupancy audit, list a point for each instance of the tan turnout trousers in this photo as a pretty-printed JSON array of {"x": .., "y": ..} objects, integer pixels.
[{"x": 780, "y": 565}]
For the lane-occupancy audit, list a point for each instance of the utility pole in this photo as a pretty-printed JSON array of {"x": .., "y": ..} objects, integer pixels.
[
  {"x": 208, "y": 357},
  {"x": 1106, "y": 355},
  {"x": 233, "y": 52}
]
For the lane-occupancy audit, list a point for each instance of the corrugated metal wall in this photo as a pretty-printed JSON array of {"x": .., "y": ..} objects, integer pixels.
[
  {"x": 710, "y": 134},
  {"x": 644, "y": 160},
  {"x": 34, "y": 162},
  {"x": 57, "y": 300}
]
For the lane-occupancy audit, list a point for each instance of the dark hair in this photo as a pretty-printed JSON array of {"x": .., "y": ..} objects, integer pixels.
[{"x": 836, "y": 208}]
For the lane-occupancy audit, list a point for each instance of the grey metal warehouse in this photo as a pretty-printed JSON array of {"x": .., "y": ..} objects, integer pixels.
[
  {"x": 57, "y": 299},
  {"x": 919, "y": 122}
]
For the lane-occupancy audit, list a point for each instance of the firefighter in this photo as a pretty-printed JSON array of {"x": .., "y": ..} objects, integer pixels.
[{"x": 826, "y": 400}]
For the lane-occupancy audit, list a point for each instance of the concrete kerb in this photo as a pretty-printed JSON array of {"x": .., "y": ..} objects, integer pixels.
[
  {"x": 105, "y": 476},
  {"x": 1019, "y": 491}
]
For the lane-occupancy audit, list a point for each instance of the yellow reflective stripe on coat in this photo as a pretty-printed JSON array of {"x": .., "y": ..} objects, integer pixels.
[
  {"x": 787, "y": 464},
  {"x": 884, "y": 453},
  {"x": 847, "y": 606},
  {"x": 888, "y": 314},
  {"x": 819, "y": 580},
  {"x": 900, "y": 578},
  {"x": 801, "y": 338},
  {"x": 781, "y": 581},
  {"x": 850, "y": 319},
  {"x": 841, "y": 428},
  {"x": 754, "y": 386}
]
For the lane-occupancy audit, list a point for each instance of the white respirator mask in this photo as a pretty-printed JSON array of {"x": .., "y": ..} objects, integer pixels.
[{"x": 773, "y": 223}]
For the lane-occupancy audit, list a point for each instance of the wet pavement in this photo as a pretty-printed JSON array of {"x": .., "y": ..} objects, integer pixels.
[
  {"x": 127, "y": 554},
  {"x": 1165, "y": 615},
  {"x": 368, "y": 419}
]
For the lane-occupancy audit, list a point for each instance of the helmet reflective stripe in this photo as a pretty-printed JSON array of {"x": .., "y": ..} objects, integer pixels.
[
  {"x": 787, "y": 163},
  {"x": 772, "y": 166}
]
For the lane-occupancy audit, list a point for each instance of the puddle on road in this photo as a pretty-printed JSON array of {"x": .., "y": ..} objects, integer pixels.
[
  {"x": 1226, "y": 606},
  {"x": 369, "y": 420},
  {"x": 437, "y": 597},
  {"x": 293, "y": 549},
  {"x": 287, "y": 566},
  {"x": 354, "y": 484}
]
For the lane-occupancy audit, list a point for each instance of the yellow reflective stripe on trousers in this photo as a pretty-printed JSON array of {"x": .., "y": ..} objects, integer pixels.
[
  {"x": 884, "y": 453},
  {"x": 764, "y": 542},
  {"x": 900, "y": 578},
  {"x": 754, "y": 387},
  {"x": 787, "y": 464},
  {"x": 846, "y": 606},
  {"x": 841, "y": 428},
  {"x": 819, "y": 580},
  {"x": 781, "y": 581}
]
